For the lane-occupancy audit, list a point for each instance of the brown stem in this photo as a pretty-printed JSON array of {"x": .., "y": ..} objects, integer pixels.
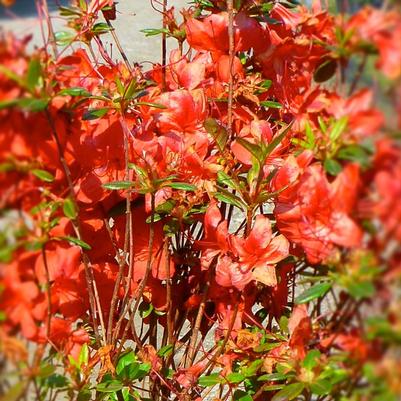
[
  {"x": 90, "y": 282},
  {"x": 48, "y": 292},
  {"x": 191, "y": 354},
  {"x": 119, "y": 47},
  {"x": 121, "y": 261},
  {"x": 52, "y": 37},
  {"x": 168, "y": 290},
  {"x": 358, "y": 74},
  {"x": 142, "y": 284},
  {"x": 231, "y": 47},
  {"x": 164, "y": 47}
]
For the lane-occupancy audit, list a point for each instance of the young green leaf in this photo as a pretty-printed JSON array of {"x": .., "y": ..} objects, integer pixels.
[
  {"x": 154, "y": 105},
  {"x": 154, "y": 32},
  {"x": 224, "y": 179},
  {"x": 118, "y": 185},
  {"x": 211, "y": 380},
  {"x": 333, "y": 167},
  {"x": 181, "y": 185},
  {"x": 93, "y": 114},
  {"x": 240, "y": 395},
  {"x": 43, "y": 175},
  {"x": 32, "y": 104},
  {"x": 64, "y": 38},
  {"x": 110, "y": 386},
  {"x": 354, "y": 153},
  {"x": 101, "y": 27},
  {"x": 33, "y": 74},
  {"x": 316, "y": 291},
  {"x": 231, "y": 199},
  {"x": 125, "y": 360},
  {"x": 338, "y": 128},
  {"x": 77, "y": 241},
  {"x": 276, "y": 141},
  {"x": 235, "y": 377},
  {"x": 69, "y": 209},
  {"x": 321, "y": 387},
  {"x": 166, "y": 350},
  {"x": 289, "y": 392},
  {"x": 75, "y": 91},
  {"x": 271, "y": 105},
  {"x": 12, "y": 76}
]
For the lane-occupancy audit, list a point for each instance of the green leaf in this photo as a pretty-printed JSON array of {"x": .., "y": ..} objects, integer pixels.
[
  {"x": 43, "y": 175},
  {"x": 311, "y": 359},
  {"x": 101, "y": 27},
  {"x": 354, "y": 153},
  {"x": 125, "y": 360},
  {"x": 266, "y": 84},
  {"x": 56, "y": 381},
  {"x": 139, "y": 171},
  {"x": 33, "y": 74},
  {"x": 6, "y": 104},
  {"x": 253, "y": 149},
  {"x": 321, "y": 387},
  {"x": 64, "y": 38},
  {"x": 273, "y": 377},
  {"x": 338, "y": 128},
  {"x": 309, "y": 135},
  {"x": 322, "y": 124},
  {"x": 83, "y": 355},
  {"x": 154, "y": 105},
  {"x": 218, "y": 132},
  {"x": 14, "y": 393},
  {"x": 118, "y": 185},
  {"x": 145, "y": 309},
  {"x": 12, "y": 76},
  {"x": 166, "y": 350},
  {"x": 289, "y": 392},
  {"x": 224, "y": 179},
  {"x": 110, "y": 386},
  {"x": 77, "y": 241},
  {"x": 271, "y": 105},
  {"x": 325, "y": 71},
  {"x": 182, "y": 186},
  {"x": 69, "y": 209},
  {"x": 266, "y": 346},
  {"x": 316, "y": 291},
  {"x": 93, "y": 114},
  {"x": 273, "y": 387},
  {"x": 75, "y": 91},
  {"x": 211, "y": 380},
  {"x": 69, "y": 11},
  {"x": 46, "y": 370},
  {"x": 240, "y": 395},
  {"x": 166, "y": 207},
  {"x": 276, "y": 141},
  {"x": 84, "y": 394},
  {"x": 252, "y": 369},
  {"x": 235, "y": 377},
  {"x": 231, "y": 199},
  {"x": 333, "y": 167},
  {"x": 34, "y": 105},
  {"x": 360, "y": 290},
  {"x": 153, "y": 32}
]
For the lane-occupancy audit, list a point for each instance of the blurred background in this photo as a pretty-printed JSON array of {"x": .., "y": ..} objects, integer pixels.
[{"x": 134, "y": 15}]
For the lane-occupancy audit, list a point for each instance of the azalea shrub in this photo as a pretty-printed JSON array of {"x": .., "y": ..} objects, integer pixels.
[{"x": 224, "y": 225}]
